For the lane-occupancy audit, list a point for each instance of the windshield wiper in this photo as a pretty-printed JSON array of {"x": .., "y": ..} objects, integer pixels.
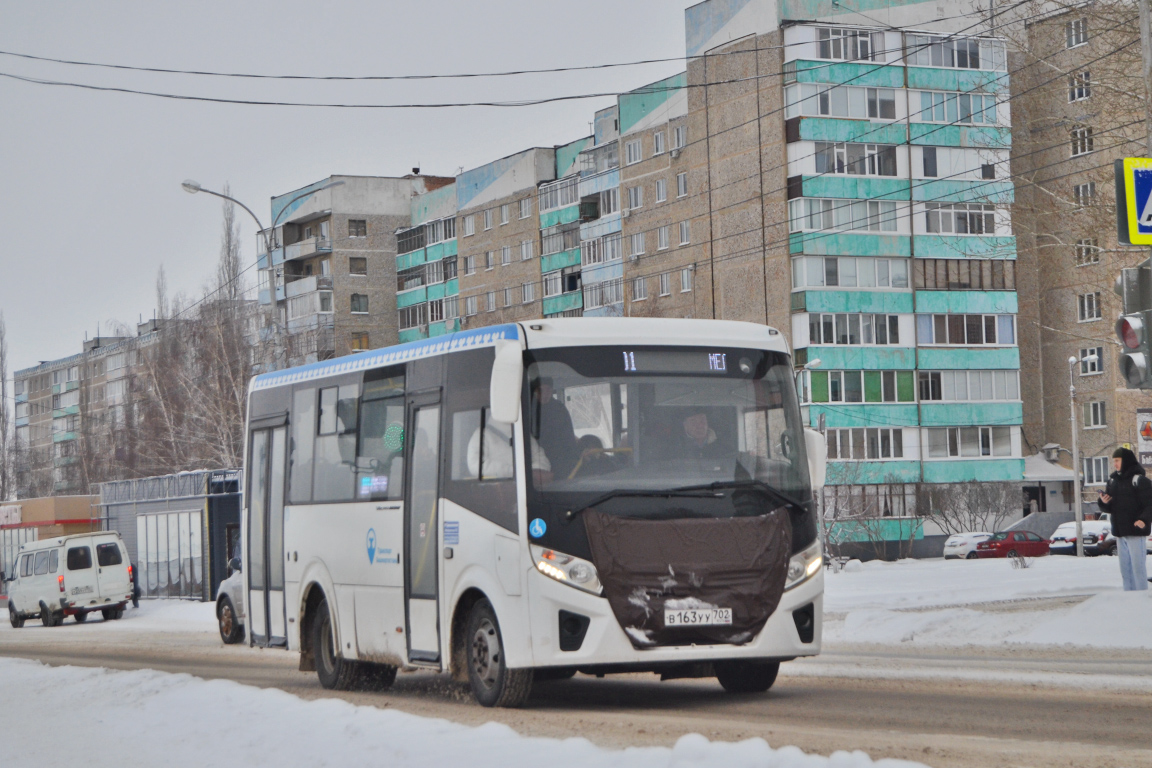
[
  {"x": 690, "y": 491},
  {"x": 757, "y": 485}
]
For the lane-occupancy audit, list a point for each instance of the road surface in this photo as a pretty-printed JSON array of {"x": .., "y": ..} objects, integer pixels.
[{"x": 985, "y": 708}]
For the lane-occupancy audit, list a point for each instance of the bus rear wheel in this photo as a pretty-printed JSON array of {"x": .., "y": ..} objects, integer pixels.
[
  {"x": 746, "y": 676},
  {"x": 493, "y": 683}
]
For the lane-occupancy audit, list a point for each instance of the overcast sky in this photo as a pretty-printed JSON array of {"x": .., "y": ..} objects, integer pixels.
[{"x": 90, "y": 198}]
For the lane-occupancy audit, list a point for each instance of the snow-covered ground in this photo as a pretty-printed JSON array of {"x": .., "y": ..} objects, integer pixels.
[
  {"x": 179, "y": 616},
  {"x": 1059, "y": 600},
  {"x": 154, "y": 718}
]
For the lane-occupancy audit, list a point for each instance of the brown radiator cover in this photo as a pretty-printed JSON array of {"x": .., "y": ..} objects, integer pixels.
[{"x": 738, "y": 563}]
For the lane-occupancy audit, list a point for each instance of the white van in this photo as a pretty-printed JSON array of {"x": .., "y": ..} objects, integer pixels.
[{"x": 69, "y": 576}]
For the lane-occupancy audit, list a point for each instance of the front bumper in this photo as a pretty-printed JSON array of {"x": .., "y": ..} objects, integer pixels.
[{"x": 605, "y": 642}]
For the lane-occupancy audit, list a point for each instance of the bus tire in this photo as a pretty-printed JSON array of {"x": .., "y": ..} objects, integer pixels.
[
  {"x": 335, "y": 672},
  {"x": 231, "y": 630},
  {"x": 493, "y": 683},
  {"x": 746, "y": 676},
  {"x": 14, "y": 616}
]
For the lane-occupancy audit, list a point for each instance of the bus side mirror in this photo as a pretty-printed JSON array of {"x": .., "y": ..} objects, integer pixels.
[
  {"x": 507, "y": 377},
  {"x": 817, "y": 457}
]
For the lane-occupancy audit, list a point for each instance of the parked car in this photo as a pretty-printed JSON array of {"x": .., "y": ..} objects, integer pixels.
[
  {"x": 69, "y": 576},
  {"x": 1098, "y": 538},
  {"x": 230, "y": 605},
  {"x": 1012, "y": 543},
  {"x": 963, "y": 545}
]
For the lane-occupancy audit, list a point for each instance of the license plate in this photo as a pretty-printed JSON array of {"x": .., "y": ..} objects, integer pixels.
[{"x": 697, "y": 617}]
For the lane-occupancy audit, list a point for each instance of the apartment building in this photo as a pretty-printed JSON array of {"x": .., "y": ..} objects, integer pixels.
[
  {"x": 328, "y": 284},
  {"x": 1075, "y": 111},
  {"x": 69, "y": 412},
  {"x": 427, "y": 286}
]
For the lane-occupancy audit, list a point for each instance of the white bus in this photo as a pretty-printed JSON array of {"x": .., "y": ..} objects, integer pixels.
[{"x": 533, "y": 500}]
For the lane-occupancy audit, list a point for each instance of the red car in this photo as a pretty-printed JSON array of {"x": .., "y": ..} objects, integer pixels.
[{"x": 1012, "y": 543}]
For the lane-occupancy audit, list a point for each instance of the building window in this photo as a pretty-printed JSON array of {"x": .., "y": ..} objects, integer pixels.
[
  {"x": 505, "y": 213},
  {"x": 488, "y": 219},
  {"x": 661, "y": 190},
  {"x": 954, "y": 107},
  {"x": 682, "y": 185},
  {"x": 563, "y": 237},
  {"x": 1079, "y": 86},
  {"x": 988, "y": 170},
  {"x": 685, "y": 233},
  {"x": 849, "y": 272},
  {"x": 633, "y": 152},
  {"x": 639, "y": 289},
  {"x": 665, "y": 284},
  {"x": 609, "y": 201},
  {"x": 850, "y": 159},
  {"x": 489, "y": 259},
  {"x": 863, "y": 444},
  {"x": 491, "y": 301},
  {"x": 603, "y": 294},
  {"x": 850, "y": 44},
  {"x": 359, "y": 341},
  {"x": 358, "y": 228},
  {"x": 434, "y": 272},
  {"x": 1095, "y": 415},
  {"x": 451, "y": 307},
  {"x": 525, "y": 207},
  {"x": 662, "y": 238},
  {"x": 679, "y": 137},
  {"x": 636, "y": 244},
  {"x": 1088, "y": 306},
  {"x": 635, "y": 197},
  {"x": 360, "y": 303},
  {"x": 1096, "y": 470},
  {"x": 960, "y": 274},
  {"x": 436, "y": 310},
  {"x": 470, "y": 306},
  {"x": 469, "y": 226},
  {"x": 1084, "y": 194},
  {"x": 857, "y": 386},
  {"x": 505, "y": 255},
  {"x": 967, "y": 386},
  {"x": 686, "y": 280},
  {"x": 601, "y": 250},
  {"x": 525, "y": 250},
  {"x": 815, "y": 214},
  {"x": 966, "y": 330},
  {"x": 658, "y": 143},
  {"x": 1091, "y": 361},
  {"x": 527, "y": 293},
  {"x": 960, "y": 218},
  {"x": 407, "y": 279},
  {"x": 553, "y": 284},
  {"x": 357, "y": 265},
  {"x": 851, "y": 329},
  {"x": 560, "y": 194},
  {"x": 1076, "y": 33},
  {"x": 1082, "y": 142},
  {"x": 957, "y": 53},
  {"x": 469, "y": 265},
  {"x": 412, "y": 317},
  {"x": 969, "y": 442},
  {"x": 1087, "y": 252}
]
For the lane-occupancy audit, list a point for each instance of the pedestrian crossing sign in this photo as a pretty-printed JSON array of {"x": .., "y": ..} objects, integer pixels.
[{"x": 1134, "y": 200}]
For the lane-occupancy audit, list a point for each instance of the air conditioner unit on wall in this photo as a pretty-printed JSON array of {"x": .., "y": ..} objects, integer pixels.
[
  {"x": 626, "y": 213},
  {"x": 675, "y": 153}
]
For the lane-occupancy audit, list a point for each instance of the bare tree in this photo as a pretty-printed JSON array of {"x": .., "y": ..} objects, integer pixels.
[
  {"x": 7, "y": 439},
  {"x": 969, "y": 506}
]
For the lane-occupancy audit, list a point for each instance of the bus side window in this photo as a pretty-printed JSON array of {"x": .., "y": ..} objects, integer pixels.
[
  {"x": 303, "y": 420},
  {"x": 54, "y": 561},
  {"x": 334, "y": 460},
  {"x": 26, "y": 566},
  {"x": 41, "y": 563},
  {"x": 481, "y": 470},
  {"x": 380, "y": 459}
]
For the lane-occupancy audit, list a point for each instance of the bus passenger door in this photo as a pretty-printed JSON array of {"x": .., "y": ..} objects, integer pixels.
[
  {"x": 265, "y": 561},
  {"x": 422, "y": 503}
]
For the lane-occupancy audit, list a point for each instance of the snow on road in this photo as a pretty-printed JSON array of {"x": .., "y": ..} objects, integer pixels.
[
  {"x": 1059, "y": 600},
  {"x": 154, "y": 718}
]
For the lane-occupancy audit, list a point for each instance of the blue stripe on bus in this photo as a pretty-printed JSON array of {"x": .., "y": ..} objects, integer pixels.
[{"x": 378, "y": 358}]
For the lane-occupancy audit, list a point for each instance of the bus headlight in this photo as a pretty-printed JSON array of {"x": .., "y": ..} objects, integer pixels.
[
  {"x": 570, "y": 570},
  {"x": 803, "y": 566}
]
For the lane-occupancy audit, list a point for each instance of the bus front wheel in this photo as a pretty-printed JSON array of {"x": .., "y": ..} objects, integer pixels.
[
  {"x": 746, "y": 676},
  {"x": 493, "y": 683}
]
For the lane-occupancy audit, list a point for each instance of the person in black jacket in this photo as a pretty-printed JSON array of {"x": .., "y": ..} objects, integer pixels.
[{"x": 1128, "y": 497}]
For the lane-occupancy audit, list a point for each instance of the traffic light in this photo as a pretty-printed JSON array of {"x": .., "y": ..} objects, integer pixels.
[{"x": 1134, "y": 286}]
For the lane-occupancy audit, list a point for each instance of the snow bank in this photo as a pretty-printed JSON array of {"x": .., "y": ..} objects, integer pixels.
[
  {"x": 963, "y": 602},
  {"x": 178, "y": 720},
  {"x": 183, "y": 616}
]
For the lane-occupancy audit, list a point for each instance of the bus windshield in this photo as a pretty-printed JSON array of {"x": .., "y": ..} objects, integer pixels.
[{"x": 608, "y": 419}]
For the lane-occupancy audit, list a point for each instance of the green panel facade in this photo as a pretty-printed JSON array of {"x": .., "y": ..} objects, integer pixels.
[
  {"x": 436, "y": 291},
  {"x": 986, "y": 470},
  {"x": 837, "y": 129},
  {"x": 563, "y": 302},
  {"x": 555, "y": 261},
  {"x": 412, "y": 259},
  {"x": 864, "y": 358},
  {"x": 876, "y": 530},
  {"x": 943, "y": 79},
  {"x": 961, "y": 246},
  {"x": 958, "y": 302},
  {"x": 954, "y": 191},
  {"x": 970, "y": 414},
  {"x": 865, "y": 414},
  {"x": 856, "y": 187},
  {"x": 945, "y": 359},
  {"x": 411, "y": 334},
  {"x": 414, "y": 296},
  {"x": 859, "y": 301},
  {"x": 560, "y": 216},
  {"x": 873, "y": 472},
  {"x": 849, "y": 244},
  {"x": 856, "y": 74},
  {"x": 980, "y": 137}
]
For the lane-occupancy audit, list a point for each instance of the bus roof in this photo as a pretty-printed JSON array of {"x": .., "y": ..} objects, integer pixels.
[{"x": 538, "y": 334}]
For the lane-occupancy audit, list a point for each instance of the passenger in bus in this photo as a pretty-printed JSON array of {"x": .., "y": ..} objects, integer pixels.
[
  {"x": 554, "y": 428},
  {"x": 698, "y": 440}
]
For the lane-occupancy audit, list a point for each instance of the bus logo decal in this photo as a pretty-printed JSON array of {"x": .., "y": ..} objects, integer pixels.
[
  {"x": 371, "y": 545},
  {"x": 537, "y": 528}
]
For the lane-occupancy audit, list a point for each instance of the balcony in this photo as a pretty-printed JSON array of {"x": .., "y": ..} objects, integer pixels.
[
  {"x": 307, "y": 248},
  {"x": 298, "y": 286}
]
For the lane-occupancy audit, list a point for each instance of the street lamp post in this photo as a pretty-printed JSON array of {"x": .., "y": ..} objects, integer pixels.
[
  {"x": 192, "y": 187},
  {"x": 1079, "y": 509}
]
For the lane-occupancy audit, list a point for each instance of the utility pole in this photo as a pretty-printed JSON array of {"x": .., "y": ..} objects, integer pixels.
[
  {"x": 1079, "y": 509},
  {"x": 1146, "y": 47}
]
